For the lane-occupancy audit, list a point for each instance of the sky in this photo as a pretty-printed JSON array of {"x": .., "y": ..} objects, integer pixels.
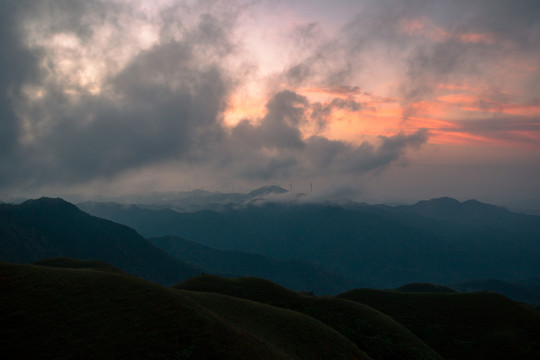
[{"x": 369, "y": 100}]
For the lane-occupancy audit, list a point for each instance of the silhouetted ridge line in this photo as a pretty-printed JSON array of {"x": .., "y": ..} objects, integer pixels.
[
  {"x": 47, "y": 227},
  {"x": 425, "y": 287}
]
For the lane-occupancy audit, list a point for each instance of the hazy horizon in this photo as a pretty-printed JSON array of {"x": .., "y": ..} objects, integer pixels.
[{"x": 337, "y": 197}]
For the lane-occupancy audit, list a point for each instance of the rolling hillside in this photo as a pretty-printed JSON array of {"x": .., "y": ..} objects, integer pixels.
[
  {"x": 208, "y": 317},
  {"x": 479, "y": 325},
  {"x": 377, "y": 334},
  {"x": 425, "y": 288},
  {"x": 527, "y": 292},
  {"x": 105, "y": 315}
]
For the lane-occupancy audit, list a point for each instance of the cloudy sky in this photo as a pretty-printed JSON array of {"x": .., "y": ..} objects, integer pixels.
[{"x": 375, "y": 100}]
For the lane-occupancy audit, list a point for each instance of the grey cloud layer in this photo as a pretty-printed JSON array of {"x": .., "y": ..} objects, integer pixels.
[
  {"x": 275, "y": 148},
  {"x": 446, "y": 56},
  {"x": 165, "y": 106}
]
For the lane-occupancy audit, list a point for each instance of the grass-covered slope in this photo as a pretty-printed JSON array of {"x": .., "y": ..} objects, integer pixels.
[
  {"x": 425, "y": 288},
  {"x": 288, "y": 332},
  {"x": 526, "y": 291},
  {"x": 377, "y": 334},
  {"x": 71, "y": 263},
  {"x": 82, "y": 312},
  {"x": 462, "y": 325}
]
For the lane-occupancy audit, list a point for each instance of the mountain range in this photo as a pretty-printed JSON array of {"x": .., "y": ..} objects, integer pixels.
[
  {"x": 293, "y": 274},
  {"x": 46, "y": 227},
  {"x": 438, "y": 241}
]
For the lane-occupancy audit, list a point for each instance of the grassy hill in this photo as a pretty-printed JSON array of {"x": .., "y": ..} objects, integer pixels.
[
  {"x": 478, "y": 325},
  {"x": 526, "y": 292},
  {"x": 288, "y": 332},
  {"x": 425, "y": 288},
  {"x": 71, "y": 263},
  {"x": 83, "y": 312},
  {"x": 372, "y": 331},
  {"x": 293, "y": 274},
  {"x": 47, "y": 227}
]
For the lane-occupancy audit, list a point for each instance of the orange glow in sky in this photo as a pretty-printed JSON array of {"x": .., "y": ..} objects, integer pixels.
[
  {"x": 161, "y": 83},
  {"x": 385, "y": 116}
]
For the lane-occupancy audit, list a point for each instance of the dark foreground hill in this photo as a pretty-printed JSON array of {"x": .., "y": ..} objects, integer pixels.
[
  {"x": 71, "y": 263},
  {"x": 87, "y": 313},
  {"x": 527, "y": 292},
  {"x": 477, "y": 325},
  {"x": 293, "y": 274},
  {"x": 46, "y": 227},
  {"x": 377, "y": 334},
  {"x": 439, "y": 241},
  {"x": 425, "y": 288}
]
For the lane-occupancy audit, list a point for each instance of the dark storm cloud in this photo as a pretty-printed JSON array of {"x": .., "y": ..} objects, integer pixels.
[
  {"x": 269, "y": 149},
  {"x": 345, "y": 158},
  {"x": 274, "y": 148},
  {"x": 157, "y": 119},
  {"x": 76, "y": 16},
  {"x": 17, "y": 65},
  {"x": 321, "y": 113},
  {"x": 163, "y": 106},
  {"x": 166, "y": 105},
  {"x": 279, "y": 128}
]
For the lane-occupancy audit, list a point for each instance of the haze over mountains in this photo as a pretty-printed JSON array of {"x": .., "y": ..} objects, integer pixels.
[
  {"x": 440, "y": 240},
  {"x": 324, "y": 248},
  {"x": 46, "y": 227},
  {"x": 293, "y": 274}
]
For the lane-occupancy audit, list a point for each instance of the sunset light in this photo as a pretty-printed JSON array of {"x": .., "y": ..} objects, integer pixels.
[{"x": 191, "y": 86}]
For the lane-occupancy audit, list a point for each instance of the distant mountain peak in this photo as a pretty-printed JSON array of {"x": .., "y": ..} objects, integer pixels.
[
  {"x": 267, "y": 190},
  {"x": 442, "y": 201},
  {"x": 47, "y": 200},
  {"x": 50, "y": 203},
  {"x": 470, "y": 211}
]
